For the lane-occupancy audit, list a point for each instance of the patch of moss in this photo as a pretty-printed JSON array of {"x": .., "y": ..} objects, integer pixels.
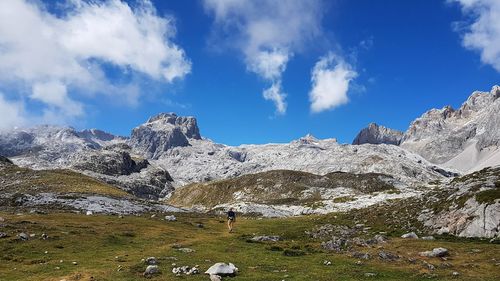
[
  {"x": 488, "y": 196},
  {"x": 343, "y": 199}
]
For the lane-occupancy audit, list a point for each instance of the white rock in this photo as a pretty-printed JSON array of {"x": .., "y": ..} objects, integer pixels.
[
  {"x": 170, "y": 218},
  {"x": 89, "y": 213},
  {"x": 410, "y": 235},
  {"x": 222, "y": 269}
]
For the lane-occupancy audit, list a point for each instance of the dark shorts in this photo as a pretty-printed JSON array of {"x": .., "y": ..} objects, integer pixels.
[{"x": 231, "y": 218}]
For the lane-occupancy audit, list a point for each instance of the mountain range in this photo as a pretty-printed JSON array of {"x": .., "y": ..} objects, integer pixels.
[{"x": 167, "y": 158}]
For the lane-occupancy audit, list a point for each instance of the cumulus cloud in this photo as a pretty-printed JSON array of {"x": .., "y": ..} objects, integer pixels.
[
  {"x": 330, "y": 83},
  {"x": 483, "y": 33},
  {"x": 267, "y": 33},
  {"x": 59, "y": 56}
]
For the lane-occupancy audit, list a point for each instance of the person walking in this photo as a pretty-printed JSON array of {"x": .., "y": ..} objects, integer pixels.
[{"x": 231, "y": 219}]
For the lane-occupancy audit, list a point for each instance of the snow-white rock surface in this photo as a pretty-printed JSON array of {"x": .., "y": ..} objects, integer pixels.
[
  {"x": 205, "y": 160},
  {"x": 91, "y": 203}
]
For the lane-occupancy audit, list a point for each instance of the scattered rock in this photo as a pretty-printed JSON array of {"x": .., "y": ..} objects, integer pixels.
[
  {"x": 186, "y": 250},
  {"x": 428, "y": 238},
  {"x": 214, "y": 277},
  {"x": 222, "y": 269},
  {"x": 45, "y": 236},
  {"x": 2, "y": 219},
  {"x": 336, "y": 244},
  {"x": 387, "y": 256},
  {"x": 153, "y": 216},
  {"x": 200, "y": 225},
  {"x": 455, "y": 274},
  {"x": 327, "y": 262},
  {"x": 23, "y": 236},
  {"x": 363, "y": 256},
  {"x": 370, "y": 274},
  {"x": 170, "y": 218},
  {"x": 410, "y": 235},
  {"x": 74, "y": 263},
  {"x": 429, "y": 266},
  {"x": 151, "y": 261},
  {"x": 89, "y": 213},
  {"x": 3, "y": 235},
  {"x": 187, "y": 270},
  {"x": 265, "y": 238},
  {"x": 436, "y": 252},
  {"x": 151, "y": 270}
]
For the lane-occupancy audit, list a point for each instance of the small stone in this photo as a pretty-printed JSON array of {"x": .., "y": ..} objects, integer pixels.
[
  {"x": 327, "y": 262},
  {"x": 74, "y": 263},
  {"x": 23, "y": 236},
  {"x": 46, "y": 252},
  {"x": 170, "y": 218},
  {"x": 57, "y": 268},
  {"x": 61, "y": 261},
  {"x": 151, "y": 270},
  {"x": 3, "y": 235},
  {"x": 359, "y": 263},
  {"x": 455, "y": 273},
  {"x": 151, "y": 261},
  {"x": 410, "y": 235},
  {"x": 45, "y": 236},
  {"x": 153, "y": 216},
  {"x": 214, "y": 277},
  {"x": 370, "y": 274},
  {"x": 428, "y": 238},
  {"x": 89, "y": 213},
  {"x": 186, "y": 250}
]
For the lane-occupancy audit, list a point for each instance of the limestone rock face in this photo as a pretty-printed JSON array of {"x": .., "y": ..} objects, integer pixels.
[
  {"x": 466, "y": 139},
  {"x": 376, "y": 134},
  {"x": 163, "y": 132}
]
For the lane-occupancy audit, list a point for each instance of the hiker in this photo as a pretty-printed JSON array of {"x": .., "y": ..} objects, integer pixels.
[{"x": 231, "y": 218}]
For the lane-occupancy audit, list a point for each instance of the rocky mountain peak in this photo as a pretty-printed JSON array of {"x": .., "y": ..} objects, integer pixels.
[
  {"x": 162, "y": 132},
  {"x": 187, "y": 124},
  {"x": 376, "y": 134}
]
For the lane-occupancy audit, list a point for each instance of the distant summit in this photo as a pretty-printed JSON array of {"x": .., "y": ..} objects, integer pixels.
[{"x": 375, "y": 134}]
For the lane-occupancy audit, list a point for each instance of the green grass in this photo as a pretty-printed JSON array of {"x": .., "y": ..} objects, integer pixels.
[
  {"x": 28, "y": 181},
  {"x": 100, "y": 244}
]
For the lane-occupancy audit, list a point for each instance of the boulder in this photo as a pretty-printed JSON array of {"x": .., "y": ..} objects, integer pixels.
[
  {"x": 151, "y": 270},
  {"x": 436, "y": 252},
  {"x": 410, "y": 235},
  {"x": 222, "y": 269}
]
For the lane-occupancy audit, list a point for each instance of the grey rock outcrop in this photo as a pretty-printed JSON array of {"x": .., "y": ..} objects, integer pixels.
[
  {"x": 162, "y": 132},
  {"x": 376, "y": 134}
]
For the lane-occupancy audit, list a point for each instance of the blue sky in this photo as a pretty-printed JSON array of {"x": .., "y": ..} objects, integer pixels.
[{"x": 370, "y": 62}]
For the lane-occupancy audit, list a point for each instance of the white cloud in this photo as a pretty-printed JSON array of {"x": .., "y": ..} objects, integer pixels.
[
  {"x": 275, "y": 94},
  {"x": 267, "y": 33},
  {"x": 61, "y": 56},
  {"x": 483, "y": 34},
  {"x": 330, "y": 83},
  {"x": 11, "y": 113}
]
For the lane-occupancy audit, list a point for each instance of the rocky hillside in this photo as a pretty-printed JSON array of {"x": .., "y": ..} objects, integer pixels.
[
  {"x": 52, "y": 190},
  {"x": 466, "y": 139},
  {"x": 284, "y": 192},
  {"x": 468, "y": 206}
]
